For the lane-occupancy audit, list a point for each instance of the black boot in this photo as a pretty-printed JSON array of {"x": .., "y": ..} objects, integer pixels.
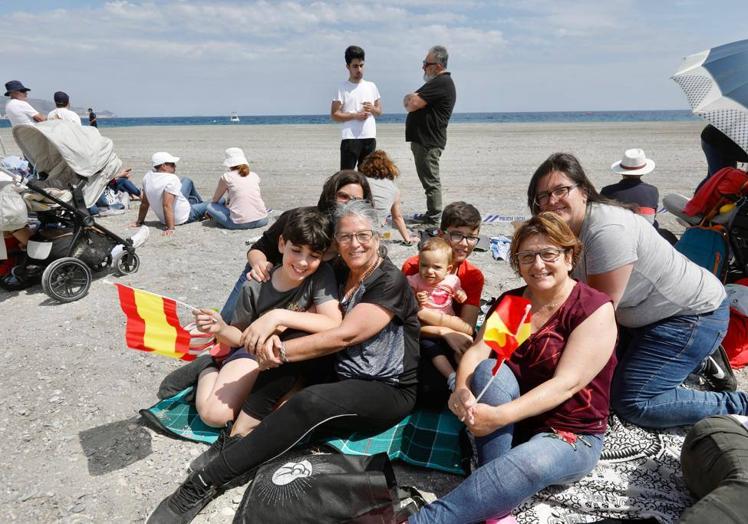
[
  {"x": 224, "y": 440},
  {"x": 186, "y": 502}
]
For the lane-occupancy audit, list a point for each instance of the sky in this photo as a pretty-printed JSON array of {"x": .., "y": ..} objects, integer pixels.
[{"x": 184, "y": 57}]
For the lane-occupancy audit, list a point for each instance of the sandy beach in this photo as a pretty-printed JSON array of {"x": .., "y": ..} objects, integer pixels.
[{"x": 72, "y": 445}]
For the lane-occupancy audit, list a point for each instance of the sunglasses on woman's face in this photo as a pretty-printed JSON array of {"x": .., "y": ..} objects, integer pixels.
[{"x": 343, "y": 198}]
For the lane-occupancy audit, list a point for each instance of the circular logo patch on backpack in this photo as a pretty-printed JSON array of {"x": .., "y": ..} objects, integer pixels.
[{"x": 291, "y": 471}]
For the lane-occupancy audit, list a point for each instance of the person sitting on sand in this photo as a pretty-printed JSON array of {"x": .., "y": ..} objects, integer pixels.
[
  {"x": 450, "y": 336},
  {"x": 542, "y": 419},
  {"x": 631, "y": 189},
  {"x": 359, "y": 376},
  {"x": 175, "y": 201},
  {"x": 244, "y": 208},
  {"x": 301, "y": 294},
  {"x": 263, "y": 255},
  {"x": 381, "y": 172},
  {"x": 674, "y": 311},
  {"x": 720, "y": 151},
  {"x": 436, "y": 288},
  {"x": 62, "y": 109}
]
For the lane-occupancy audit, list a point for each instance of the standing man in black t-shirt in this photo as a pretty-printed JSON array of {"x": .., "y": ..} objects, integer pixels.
[
  {"x": 429, "y": 110},
  {"x": 92, "y": 118}
]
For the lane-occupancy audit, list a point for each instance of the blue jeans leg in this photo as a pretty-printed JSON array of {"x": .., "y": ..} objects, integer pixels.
[
  {"x": 221, "y": 214},
  {"x": 197, "y": 212},
  {"x": 189, "y": 191},
  {"x": 126, "y": 185},
  {"x": 227, "y": 311},
  {"x": 507, "y": 475},
  {"x": 647, "y": 383}
]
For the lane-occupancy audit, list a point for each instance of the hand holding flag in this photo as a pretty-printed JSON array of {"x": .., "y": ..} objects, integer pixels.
[
  {"x": 153, "y": 324},
  {"x": 506, "y": 329}
]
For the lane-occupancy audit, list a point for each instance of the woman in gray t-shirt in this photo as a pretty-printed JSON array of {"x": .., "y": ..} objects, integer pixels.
[{"x": 675, "y": 312}]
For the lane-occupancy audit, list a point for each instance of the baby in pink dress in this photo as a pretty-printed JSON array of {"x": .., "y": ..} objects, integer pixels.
[{"x": 436, "y": 287}]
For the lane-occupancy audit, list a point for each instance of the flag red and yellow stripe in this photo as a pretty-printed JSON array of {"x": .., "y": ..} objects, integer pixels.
[
  {"x": 153, "y": 324},
  {"x": 507, "y": 327}
]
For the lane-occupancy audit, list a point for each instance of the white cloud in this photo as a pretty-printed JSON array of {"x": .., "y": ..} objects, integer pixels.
[{"x": 148, "y": 57}]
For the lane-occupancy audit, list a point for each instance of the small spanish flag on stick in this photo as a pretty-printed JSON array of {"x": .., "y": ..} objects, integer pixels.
[
  {"x": 506, "y": 329},
  {"x": 153, "y": 324}
]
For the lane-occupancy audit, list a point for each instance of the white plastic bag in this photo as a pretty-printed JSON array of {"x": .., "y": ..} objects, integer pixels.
[{"x": 13, "y": 212}]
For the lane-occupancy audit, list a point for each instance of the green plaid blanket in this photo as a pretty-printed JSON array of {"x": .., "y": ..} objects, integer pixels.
[
  {"x": 178, "y": 418},
  {"x": 423, "y": 438}
]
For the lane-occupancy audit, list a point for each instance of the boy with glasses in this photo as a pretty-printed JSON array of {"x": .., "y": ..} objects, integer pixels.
[{"x": 446, "y": 334}]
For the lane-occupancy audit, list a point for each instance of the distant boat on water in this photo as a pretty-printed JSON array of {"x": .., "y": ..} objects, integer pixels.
[{"x": 234, "y": 117}]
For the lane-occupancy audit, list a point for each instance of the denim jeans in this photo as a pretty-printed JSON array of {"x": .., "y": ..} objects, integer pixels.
[
  {"x": 126, "y": 185},
  {"x": 227, "y": 311},
  {"x": 189, "y": 191},
  {"x": 221, "y": 214},
  {"x": 508, "y": 475},
  {"x": 647, "y": 383}
]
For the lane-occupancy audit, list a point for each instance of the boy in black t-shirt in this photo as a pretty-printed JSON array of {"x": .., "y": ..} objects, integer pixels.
[{"x": 300, "y": 295}]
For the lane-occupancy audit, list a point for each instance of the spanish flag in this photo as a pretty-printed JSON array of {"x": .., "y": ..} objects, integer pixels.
[
  {"x": 507, "y": 327},
  {"x": 152, "y": 323}
]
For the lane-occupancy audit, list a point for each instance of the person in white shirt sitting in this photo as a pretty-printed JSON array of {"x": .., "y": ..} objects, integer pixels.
[
  {"x": 18, "y": 110},
  {"x": 175, "y": 201},
  {"x": 61, "y": 111}
]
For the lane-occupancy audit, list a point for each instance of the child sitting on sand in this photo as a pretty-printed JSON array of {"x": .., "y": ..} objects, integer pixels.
[
  {"x": 297, "y": 296},
  {"x": 435, "y": 286}
]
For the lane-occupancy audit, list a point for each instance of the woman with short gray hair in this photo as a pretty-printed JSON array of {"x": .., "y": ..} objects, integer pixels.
[{"x": 359, "y": 376}]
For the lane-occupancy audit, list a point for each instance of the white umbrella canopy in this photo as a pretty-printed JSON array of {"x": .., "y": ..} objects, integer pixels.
[{"x": 715, "y": 82}]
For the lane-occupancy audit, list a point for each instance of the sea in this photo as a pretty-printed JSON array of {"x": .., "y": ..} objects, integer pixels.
[{"x": 399, "y": 118}]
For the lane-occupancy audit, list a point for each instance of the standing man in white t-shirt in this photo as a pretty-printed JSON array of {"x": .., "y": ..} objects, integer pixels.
[
  {"x": 175, "y": 201},
  {"x": 18, "y": 110},
  {"x": 355, "y": 105},
  {"x": 61, "y": 111}
]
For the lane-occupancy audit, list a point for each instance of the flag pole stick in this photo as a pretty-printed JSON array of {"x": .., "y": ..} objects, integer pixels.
[
  {"x": 185, "y": 304},
  {"x": 485, "y": 388}
]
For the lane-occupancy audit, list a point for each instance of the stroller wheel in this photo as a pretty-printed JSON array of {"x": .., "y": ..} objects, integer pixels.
[
  {"x": 128, "y": 263},
  {"x": 66, "y": 279}
]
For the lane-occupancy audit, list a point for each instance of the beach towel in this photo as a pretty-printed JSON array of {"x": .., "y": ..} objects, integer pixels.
[
  {"x": 638, "y": 477},
  {"x": 423, "y": 438}
]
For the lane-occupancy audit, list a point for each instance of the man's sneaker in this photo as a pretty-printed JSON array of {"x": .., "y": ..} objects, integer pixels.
[
  {"x": 224, "y": 440},
  {"x": 717, "y": 371},
  {"x": 185, "y": 503}
]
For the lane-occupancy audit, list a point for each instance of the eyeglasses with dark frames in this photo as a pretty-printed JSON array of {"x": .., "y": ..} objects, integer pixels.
[
  {"x": 543, "y": 198},
  {"x": 456, "y": 237},
  {"x": 550, "y": 254}
]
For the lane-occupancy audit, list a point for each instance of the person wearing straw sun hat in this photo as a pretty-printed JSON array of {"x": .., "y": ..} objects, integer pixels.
[
  {"x": 630, "y": 189},
  {"x": 244, "y": 207}
]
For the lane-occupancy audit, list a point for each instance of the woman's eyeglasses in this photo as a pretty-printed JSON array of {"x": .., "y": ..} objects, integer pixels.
[
  {"x": 526, "y": 258},
  {"x": 363, "y": 237},
  {"x": 543, "y": 198}
]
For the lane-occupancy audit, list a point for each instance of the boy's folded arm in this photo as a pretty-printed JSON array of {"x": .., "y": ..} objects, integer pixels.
[
  {"x": 230, "y": 336},
  {"x": 324, "y": 316}
]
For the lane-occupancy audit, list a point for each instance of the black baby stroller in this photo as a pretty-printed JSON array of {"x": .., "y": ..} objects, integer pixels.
[{"x": 73, "y": 165}]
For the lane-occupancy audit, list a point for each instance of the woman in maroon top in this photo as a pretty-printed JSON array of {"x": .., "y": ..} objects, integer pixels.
[{"x": 541, "y": 421}]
